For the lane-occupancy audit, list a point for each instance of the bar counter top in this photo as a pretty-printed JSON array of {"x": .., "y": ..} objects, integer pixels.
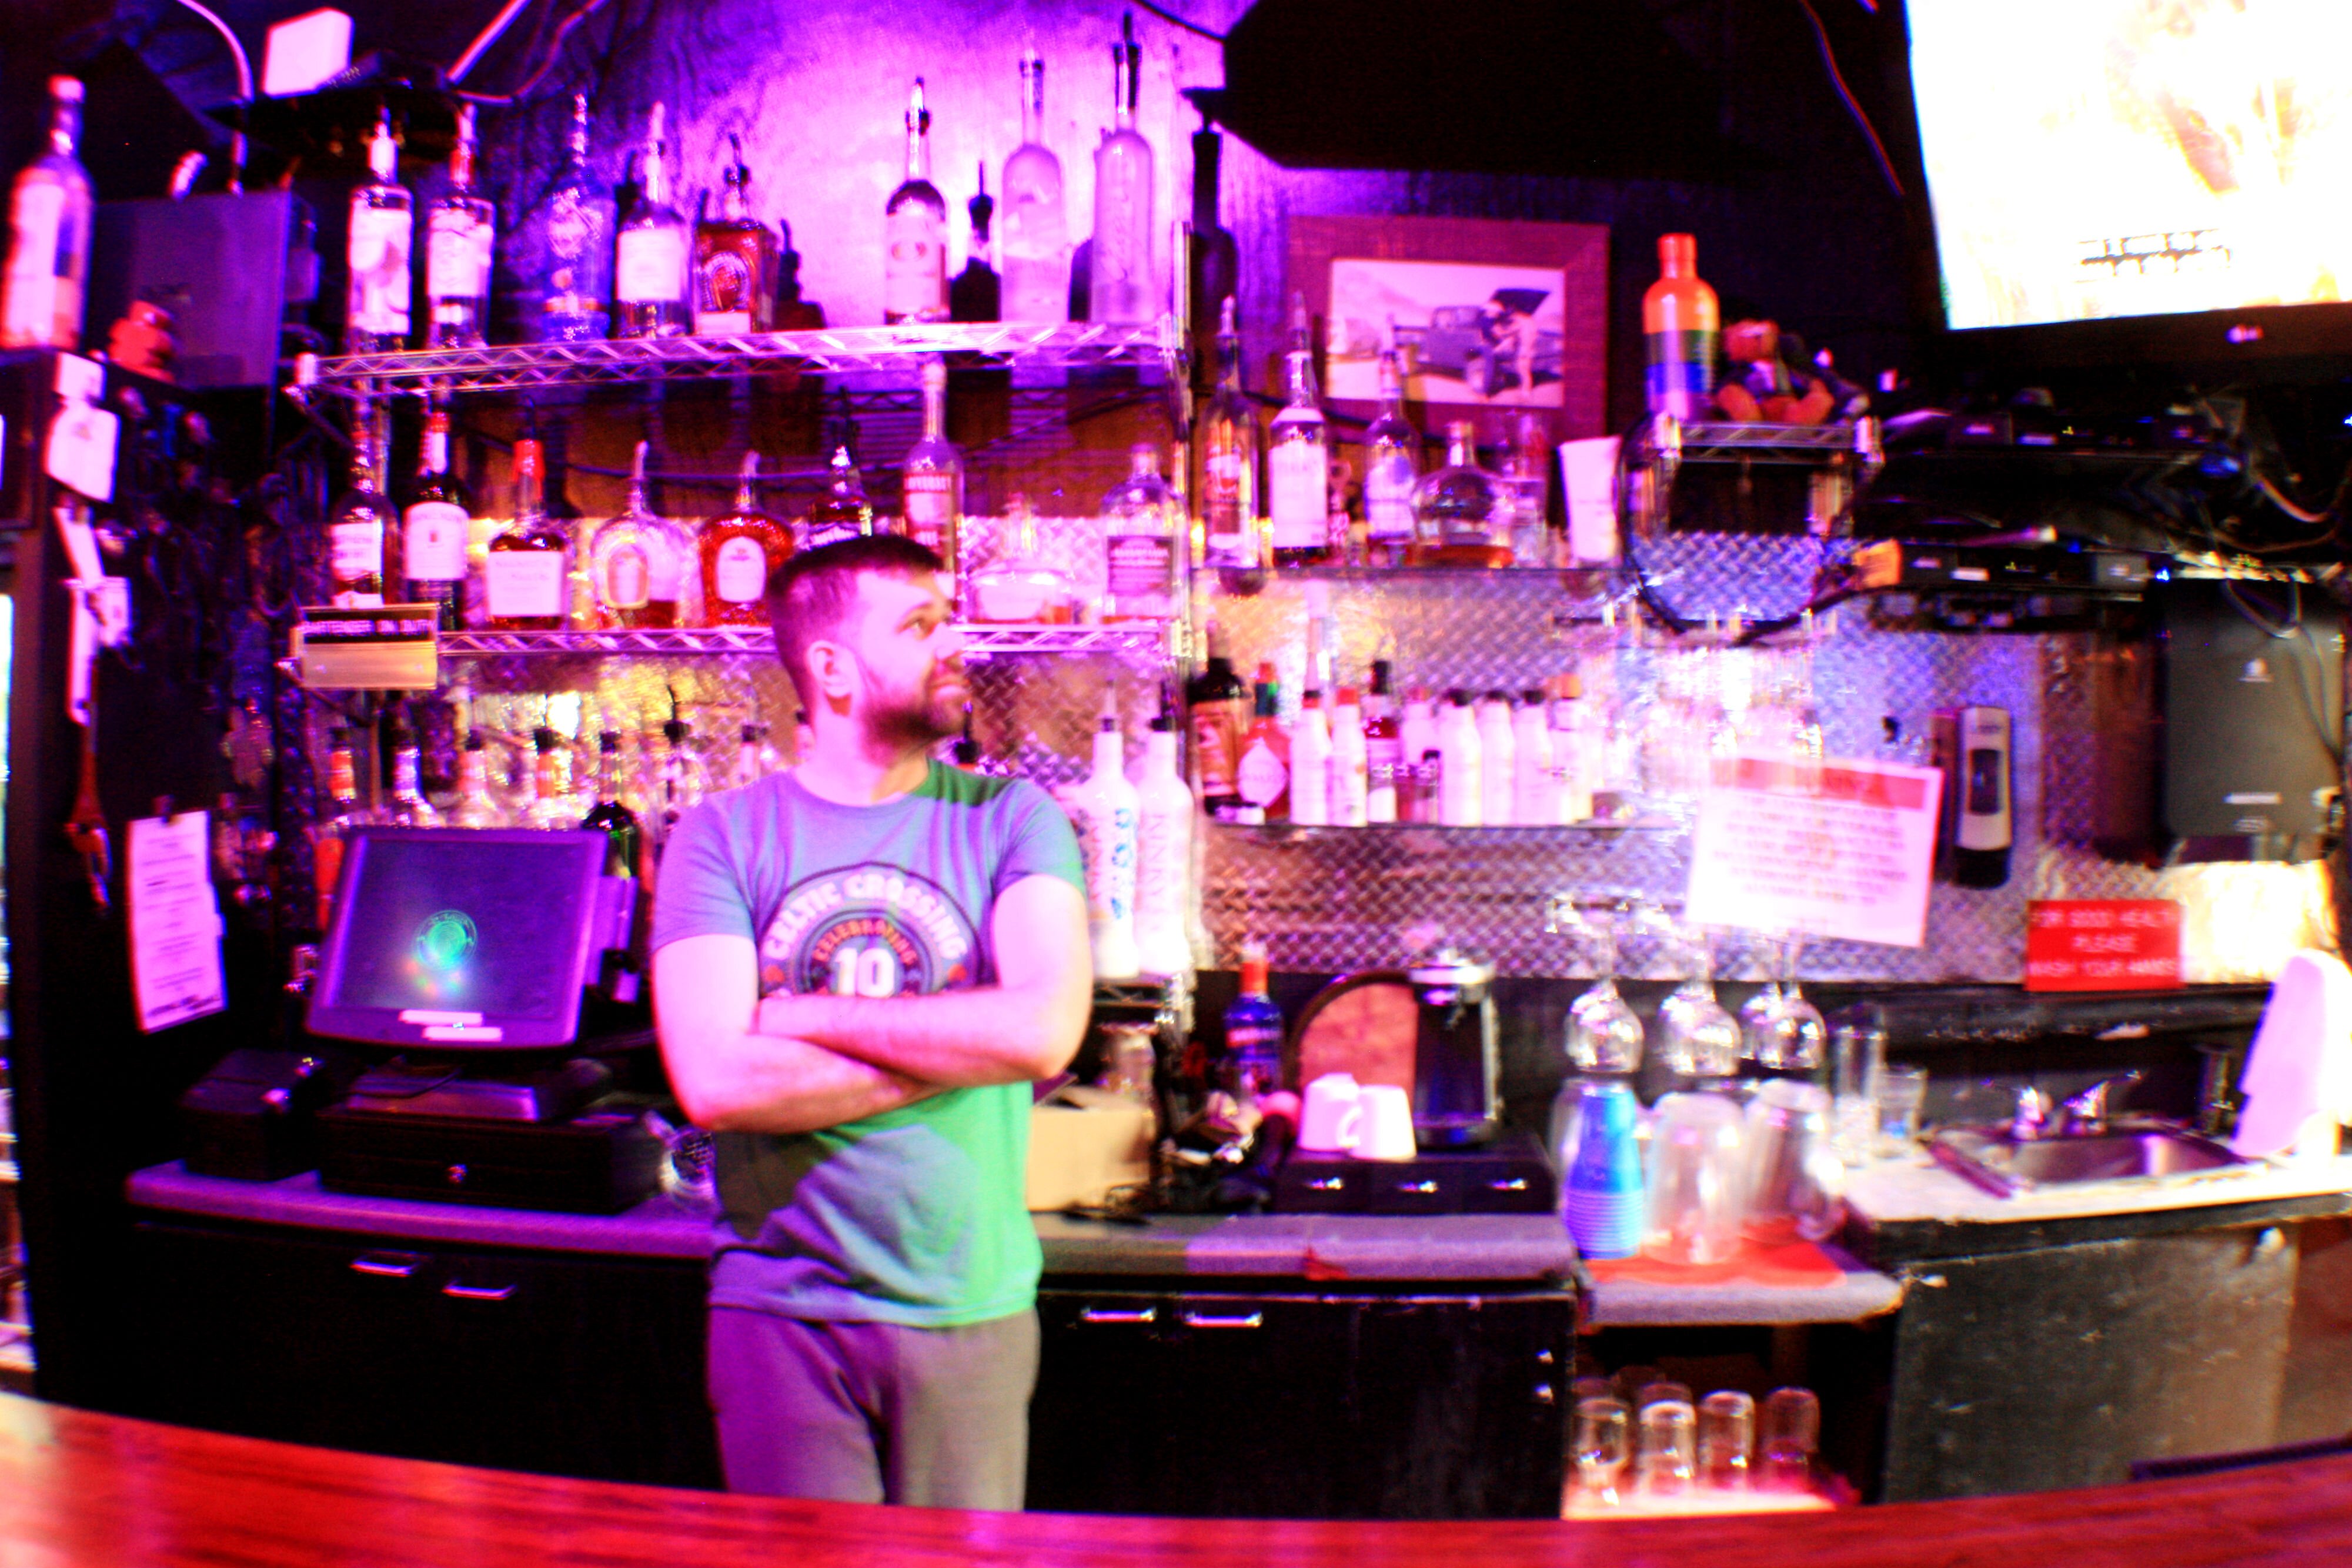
[{"x": 77, "y": 1487}]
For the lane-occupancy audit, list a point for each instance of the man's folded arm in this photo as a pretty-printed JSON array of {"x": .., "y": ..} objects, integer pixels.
[
  {"x": 1025, "y": 1026},
  {"x": 729, "y": 1074}
]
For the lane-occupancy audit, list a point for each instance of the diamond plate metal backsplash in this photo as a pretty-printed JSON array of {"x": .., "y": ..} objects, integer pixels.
[
  {"x": 1337, "y": 900},
  {"x": 1331, "y": 900}
]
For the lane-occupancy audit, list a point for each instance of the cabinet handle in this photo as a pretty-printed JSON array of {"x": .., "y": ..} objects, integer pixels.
[
  {"x": 456, "y": 1291},
  {"x": 1118, "y": 1315},
  {"x": 1509, "y": 1183},
  {"x": 384, "y": 1267},
  {"x": 1217, "y": 1321}
]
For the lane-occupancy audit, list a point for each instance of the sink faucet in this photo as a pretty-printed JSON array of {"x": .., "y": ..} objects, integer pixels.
[
  {"x": 2031, "y": 1115},
  {"x": 2086, "y": 1114}
]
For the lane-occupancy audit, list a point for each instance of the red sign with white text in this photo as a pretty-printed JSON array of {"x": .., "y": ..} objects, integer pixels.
[{"x": 2103, "y": 945}]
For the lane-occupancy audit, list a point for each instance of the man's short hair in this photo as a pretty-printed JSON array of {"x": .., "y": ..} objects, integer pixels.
[{"x": 810, "y": 595}]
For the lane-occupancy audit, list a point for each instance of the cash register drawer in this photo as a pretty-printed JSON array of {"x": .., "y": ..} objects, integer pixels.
[{"x": 601, "y": 1163}]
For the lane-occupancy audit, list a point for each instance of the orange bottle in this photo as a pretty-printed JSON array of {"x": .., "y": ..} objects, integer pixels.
[{"x": 1683, "y": 327}]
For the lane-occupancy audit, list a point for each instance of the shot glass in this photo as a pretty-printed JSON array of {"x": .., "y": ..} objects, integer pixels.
[
  {"x": 1665, "y": 1455},
  {"x": 1792, "y": 1432},
  {"x": 1599, "y": 1446},
  {"x": 1726, "y": 1439}
]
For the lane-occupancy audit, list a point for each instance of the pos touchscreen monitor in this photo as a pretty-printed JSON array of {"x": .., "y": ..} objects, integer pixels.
[{"x": 460, "y": 938}]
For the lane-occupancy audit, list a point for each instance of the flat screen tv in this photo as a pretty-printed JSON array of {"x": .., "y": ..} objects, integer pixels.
[
  {"x": 460, "y": 940},
  {"x": 2135, "y": 180}
]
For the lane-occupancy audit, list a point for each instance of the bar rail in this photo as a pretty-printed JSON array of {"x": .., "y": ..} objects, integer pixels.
[{"x": 80, "y": 1487}]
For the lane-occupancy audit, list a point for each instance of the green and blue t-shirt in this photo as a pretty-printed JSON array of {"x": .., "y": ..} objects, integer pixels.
[{"x": 915, "y": 1216}]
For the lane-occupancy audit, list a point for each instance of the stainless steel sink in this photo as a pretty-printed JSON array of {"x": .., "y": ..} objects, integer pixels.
[{"x": 2139, "y": 1151}]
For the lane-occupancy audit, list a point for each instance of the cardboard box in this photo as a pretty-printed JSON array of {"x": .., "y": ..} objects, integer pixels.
[{"x": 1078, "y": 1154}]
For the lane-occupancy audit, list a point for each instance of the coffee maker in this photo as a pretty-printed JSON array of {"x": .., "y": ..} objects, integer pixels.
[{"x": 1456, "y": 1062}]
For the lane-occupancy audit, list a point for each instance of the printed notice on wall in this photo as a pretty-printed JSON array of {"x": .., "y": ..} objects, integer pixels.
[
  {"x": 1831, "y": 848},
  {"x": 175, "y": 923}
]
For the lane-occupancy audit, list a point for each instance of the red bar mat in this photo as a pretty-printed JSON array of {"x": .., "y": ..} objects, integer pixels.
[{"x": 1800, "y": 1265}]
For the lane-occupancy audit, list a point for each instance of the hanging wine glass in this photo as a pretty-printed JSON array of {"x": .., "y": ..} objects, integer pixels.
[
  {"x": 1788, "y": 1034},
  {"x": 1696, "y": 1038},
  {"x": 1604, "y": 1034}
]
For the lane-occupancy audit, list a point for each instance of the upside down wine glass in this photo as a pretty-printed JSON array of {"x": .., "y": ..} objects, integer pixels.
[
  {"x": 1696, "y": 1038},
  {"x": 1780, "y": 1030},
  {"x": 1604, "y": 1034}
]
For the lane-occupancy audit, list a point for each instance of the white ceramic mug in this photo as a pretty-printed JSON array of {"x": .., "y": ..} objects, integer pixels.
[
  {"x": 1385, "y": 1132},
  {"x": 1333, "y": 1114}
]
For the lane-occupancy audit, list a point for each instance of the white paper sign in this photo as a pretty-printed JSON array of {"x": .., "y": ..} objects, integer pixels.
[
  {"x": 175, "y": 923},
  {"x": 82, "y": 437},
  {"x": 1834, "y": 848}
]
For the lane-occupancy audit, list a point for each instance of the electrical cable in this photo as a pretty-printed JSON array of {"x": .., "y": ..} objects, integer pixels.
[
  {"x": 1853, "y": 107},
  {"x": 482, "y": 44},
  {"x": 235, "y": 49}
]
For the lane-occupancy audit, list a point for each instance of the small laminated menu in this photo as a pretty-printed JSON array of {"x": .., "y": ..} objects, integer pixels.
[{"x": 175, "y": 923}]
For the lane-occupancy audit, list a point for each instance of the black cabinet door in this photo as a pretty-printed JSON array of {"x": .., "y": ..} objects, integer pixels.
[
  {"x": 2062, "y": 1366},
  {"x": 568, "y": 1365},
  {"x": 1260, "y": 1405},
  {"x": 1461, "y": 1402}
]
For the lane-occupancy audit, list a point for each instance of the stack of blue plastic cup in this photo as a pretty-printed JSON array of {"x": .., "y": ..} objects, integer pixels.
[{"x": 1603, "y": 1206}]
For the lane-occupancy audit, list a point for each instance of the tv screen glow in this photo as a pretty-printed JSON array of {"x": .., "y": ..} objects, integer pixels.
[{"x": 2094, "y": 159}]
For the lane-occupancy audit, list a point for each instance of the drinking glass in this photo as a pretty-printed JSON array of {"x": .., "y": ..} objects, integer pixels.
[
  {"x": 1857, "y": 1056},
  {"x": 1601, "y": 1446},
  {"x": 1665, "y": 1457},
  {"x": 1727, "y": 1438},
  {"x": 1901, "y": 1092},
  {"x": 1659, "y": 1390},
  {"x": 1791, "y": 1432},
  {"x": 1794, "y": 1178},
  {"x": 1697, "y": 1179}
]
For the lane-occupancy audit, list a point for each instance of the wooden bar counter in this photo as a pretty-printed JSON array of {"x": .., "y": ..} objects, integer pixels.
[{"x": 78, "y": 1489}]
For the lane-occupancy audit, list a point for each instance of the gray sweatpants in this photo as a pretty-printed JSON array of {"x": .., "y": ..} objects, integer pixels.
[{"x": 853, "y": 1412}]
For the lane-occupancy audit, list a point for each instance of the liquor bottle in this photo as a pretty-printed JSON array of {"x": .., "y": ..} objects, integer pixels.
[
  {"x": 461, "y": 231},
  {"x": 1215, "y": 258},
  {"x": 573, "y": 304},
  {"x": 1144, "y": 542},
  {"x": 1498, "y": 760},
  {"x": 1263, "y": 774},
  {"x": 1228, "y": 445},
  {"x": 843, "y": 512},
  {"x": 1310, "y": 763},
  {"x": 931, "y": 485},
  {"x": 1456, "y": 509},
  {"x": 1682, "y": 325},
  {"x": 475, "y": 806},
  {"x": 650, "y": 275},
  {"x": 526, "y": 576},
  {"x": 552, "y": 803},
  {"x": 1216, "y": 701},
  {"x": 977, "y": 293},
  {"x": 1020, "y": 584},
  {"x": 1298, "y": 457},
  {"x": 434, "y": 527},
  {"x": 382, "y": 232},
  {"x": 747, "y": 768},
  {"x": 1121, "y": 287},
  {"x": 740, "y": 552},
  {"x": 639, "y": 564},
  {"x": 679, "y": 781},
  {"x": 49, "y": 235},
  {"x": 1535, "y": 774},
  {"x": 734, "y": 260},
  {"x": 1461, "y": 791},
  {"x": 623, "y": 840},
  {"x": 1383, "y": 749},
  {"x": 915, "y": 230},
  {"x": 1104, "y": 808},
  {"x": 362, "y": 533},
  {"x": 331, "y": 837},
  {"x": 1350, "y": 764},
  {"x": 1163, "y": 855},
  {"x": 1036, "y": 228},
  {"x": 1391, "y": 469},
  {"x": 1254, "y": 1031},
  {"x": 407, "y": 807}
]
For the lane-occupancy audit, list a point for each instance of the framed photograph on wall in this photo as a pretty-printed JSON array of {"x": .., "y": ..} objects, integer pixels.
[{"x": 1487, "y": 313}]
